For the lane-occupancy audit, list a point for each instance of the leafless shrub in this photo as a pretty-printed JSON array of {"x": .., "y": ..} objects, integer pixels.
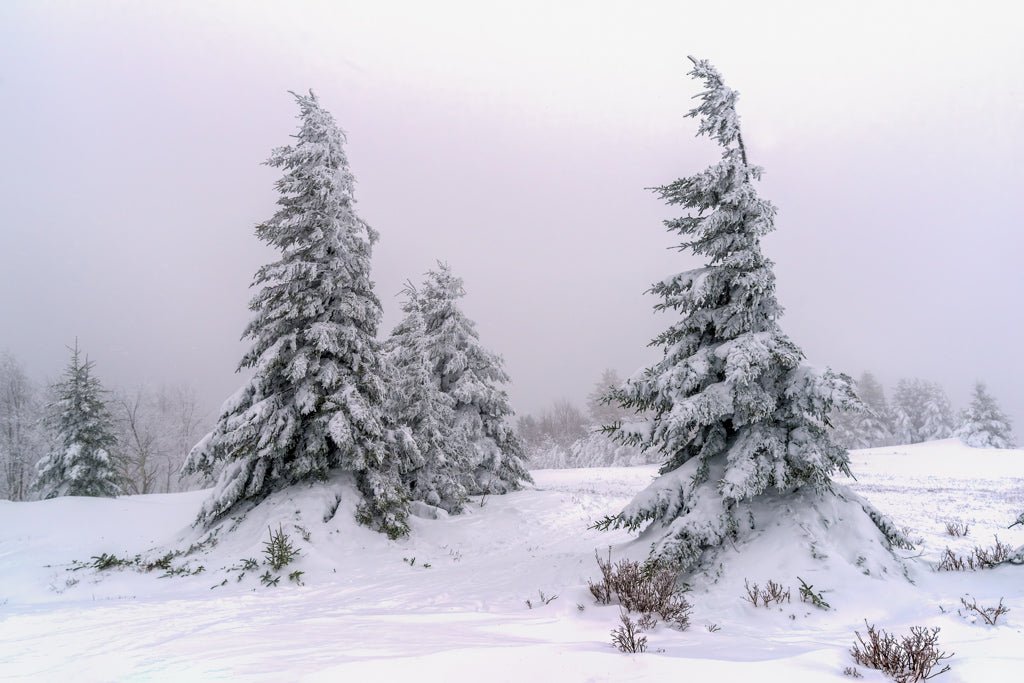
[
  {"x": 627, "y": 637},
  {"x": 951, "y": 562},
  {"x": 647, "y": 621},
  {"x": 647, "y": 588},
  {"x": 852, "y": 672},
  {"x": 978, "y": 558},
  {"x": 544, "y": 599},
  {"x": 989, "y": 614},
  {"x": 764, "y": 597},
  {"x": 602, "y": 590},
  {"x": 713, "y": 628},
  {"x": 986, "y": 558},
  {"x": 957, "y": 529},
  {"x": 905, "y": 659}
]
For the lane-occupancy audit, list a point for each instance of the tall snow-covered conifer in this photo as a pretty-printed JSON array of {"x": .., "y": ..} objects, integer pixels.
[
  {"x": 316, "y": 400},
  {"x": 83, "y": 436},
  {"x": 867, "y": 428},
  {"x": 937, "y": 419},
  {"x": 983, "y": 424},
  {"x": 473, "y": 377},
  {"x": 731, "y": 407},
  {"x": 417, "y": 401},
  {"x": 874, "y": 426}
]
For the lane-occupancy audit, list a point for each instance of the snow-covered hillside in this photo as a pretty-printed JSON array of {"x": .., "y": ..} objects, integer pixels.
[{"x": 449, "y": 602}]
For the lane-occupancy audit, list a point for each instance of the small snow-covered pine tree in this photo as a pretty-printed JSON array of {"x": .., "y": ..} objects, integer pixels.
[
  {"x": 983, "y": 424},
  {"x": 83, "y": 437},
  {"x": 473, "y": 377},
  {"x": 316, "y": 400},
  {"x": 418, "y": 402},
  {"x": 731, "y": 407}
]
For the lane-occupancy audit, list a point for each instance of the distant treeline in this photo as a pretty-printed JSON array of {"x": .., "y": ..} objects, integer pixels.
[
  {"x": 148, "y": 431},
  {"x": 565, "y": 435}
]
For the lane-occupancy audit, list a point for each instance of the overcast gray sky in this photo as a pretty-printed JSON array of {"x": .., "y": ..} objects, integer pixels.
[{"x": 515, "y": 140}]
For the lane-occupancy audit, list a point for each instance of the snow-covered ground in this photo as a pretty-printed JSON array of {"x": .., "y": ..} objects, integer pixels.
[{"x": 449, "y": 602}]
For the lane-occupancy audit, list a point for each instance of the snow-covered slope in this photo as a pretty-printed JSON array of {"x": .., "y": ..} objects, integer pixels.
[{"x": 449, "y": 602}]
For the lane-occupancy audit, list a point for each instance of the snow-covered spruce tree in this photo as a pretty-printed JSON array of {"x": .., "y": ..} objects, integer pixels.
[
  {"x": 937, "y": 421},
  {"x": 316, "y": 400},
  {"x": 983, "y": 424},
  {"x": 473, "y": 377},
  {"x": 417, "y": 401},
  {"x": 737, "y": 416},
  {"x": 921, "y": 412},
  {"x": 83, "y": 436},
  {"x": 867, "y": 428},
  {"x": 875, "y": 425}
]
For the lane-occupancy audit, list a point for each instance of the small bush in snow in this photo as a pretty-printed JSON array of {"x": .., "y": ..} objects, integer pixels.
[
  {"x": 905, "y": 659},
  {"x": 852, "y": 672},
  {"x": 978, "y": 558},
  {"x": 279, "y": 550},
  {"x": 807, "y": 594},
  {"x": 957, "y": 528},
  {"x": 764, "y": 597},
  {"x": 627, "y": 637},
  {"x": 990, "y": 615},
  {"x": 951, "y": 562},
  {"x": 647, "y": 588},
  {"x": 544, "y": 599},
  {"x": 986, "y": 558},
  {"x": 105, "y": 561}
]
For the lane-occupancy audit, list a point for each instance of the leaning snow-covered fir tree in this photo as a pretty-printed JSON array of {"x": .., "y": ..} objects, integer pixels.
[
  {"x": 316, "y": 400},
  {"x": 473, "y": 377},
  {"x": 417, "y": 402},
  {"x": 80, "y": 463},
  {"x": 983, "y": 424},
  {"x": 738, "y": 418}
]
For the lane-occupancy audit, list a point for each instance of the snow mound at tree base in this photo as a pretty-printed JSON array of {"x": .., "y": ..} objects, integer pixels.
[
  {"x": 372, "y": 607},
  {"x": 830, "y": 541}
]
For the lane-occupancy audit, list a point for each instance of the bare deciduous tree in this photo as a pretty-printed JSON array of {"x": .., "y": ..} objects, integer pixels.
[
  {"x": 21, "y": 439},
  {"x": 156, "y": 429}
]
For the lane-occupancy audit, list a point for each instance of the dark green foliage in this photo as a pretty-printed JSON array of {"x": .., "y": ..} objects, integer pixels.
[
  {"x": 80, "y": 463},
  {"x": 807, "y": 594},
  {"x": 279, "y": 551}
]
